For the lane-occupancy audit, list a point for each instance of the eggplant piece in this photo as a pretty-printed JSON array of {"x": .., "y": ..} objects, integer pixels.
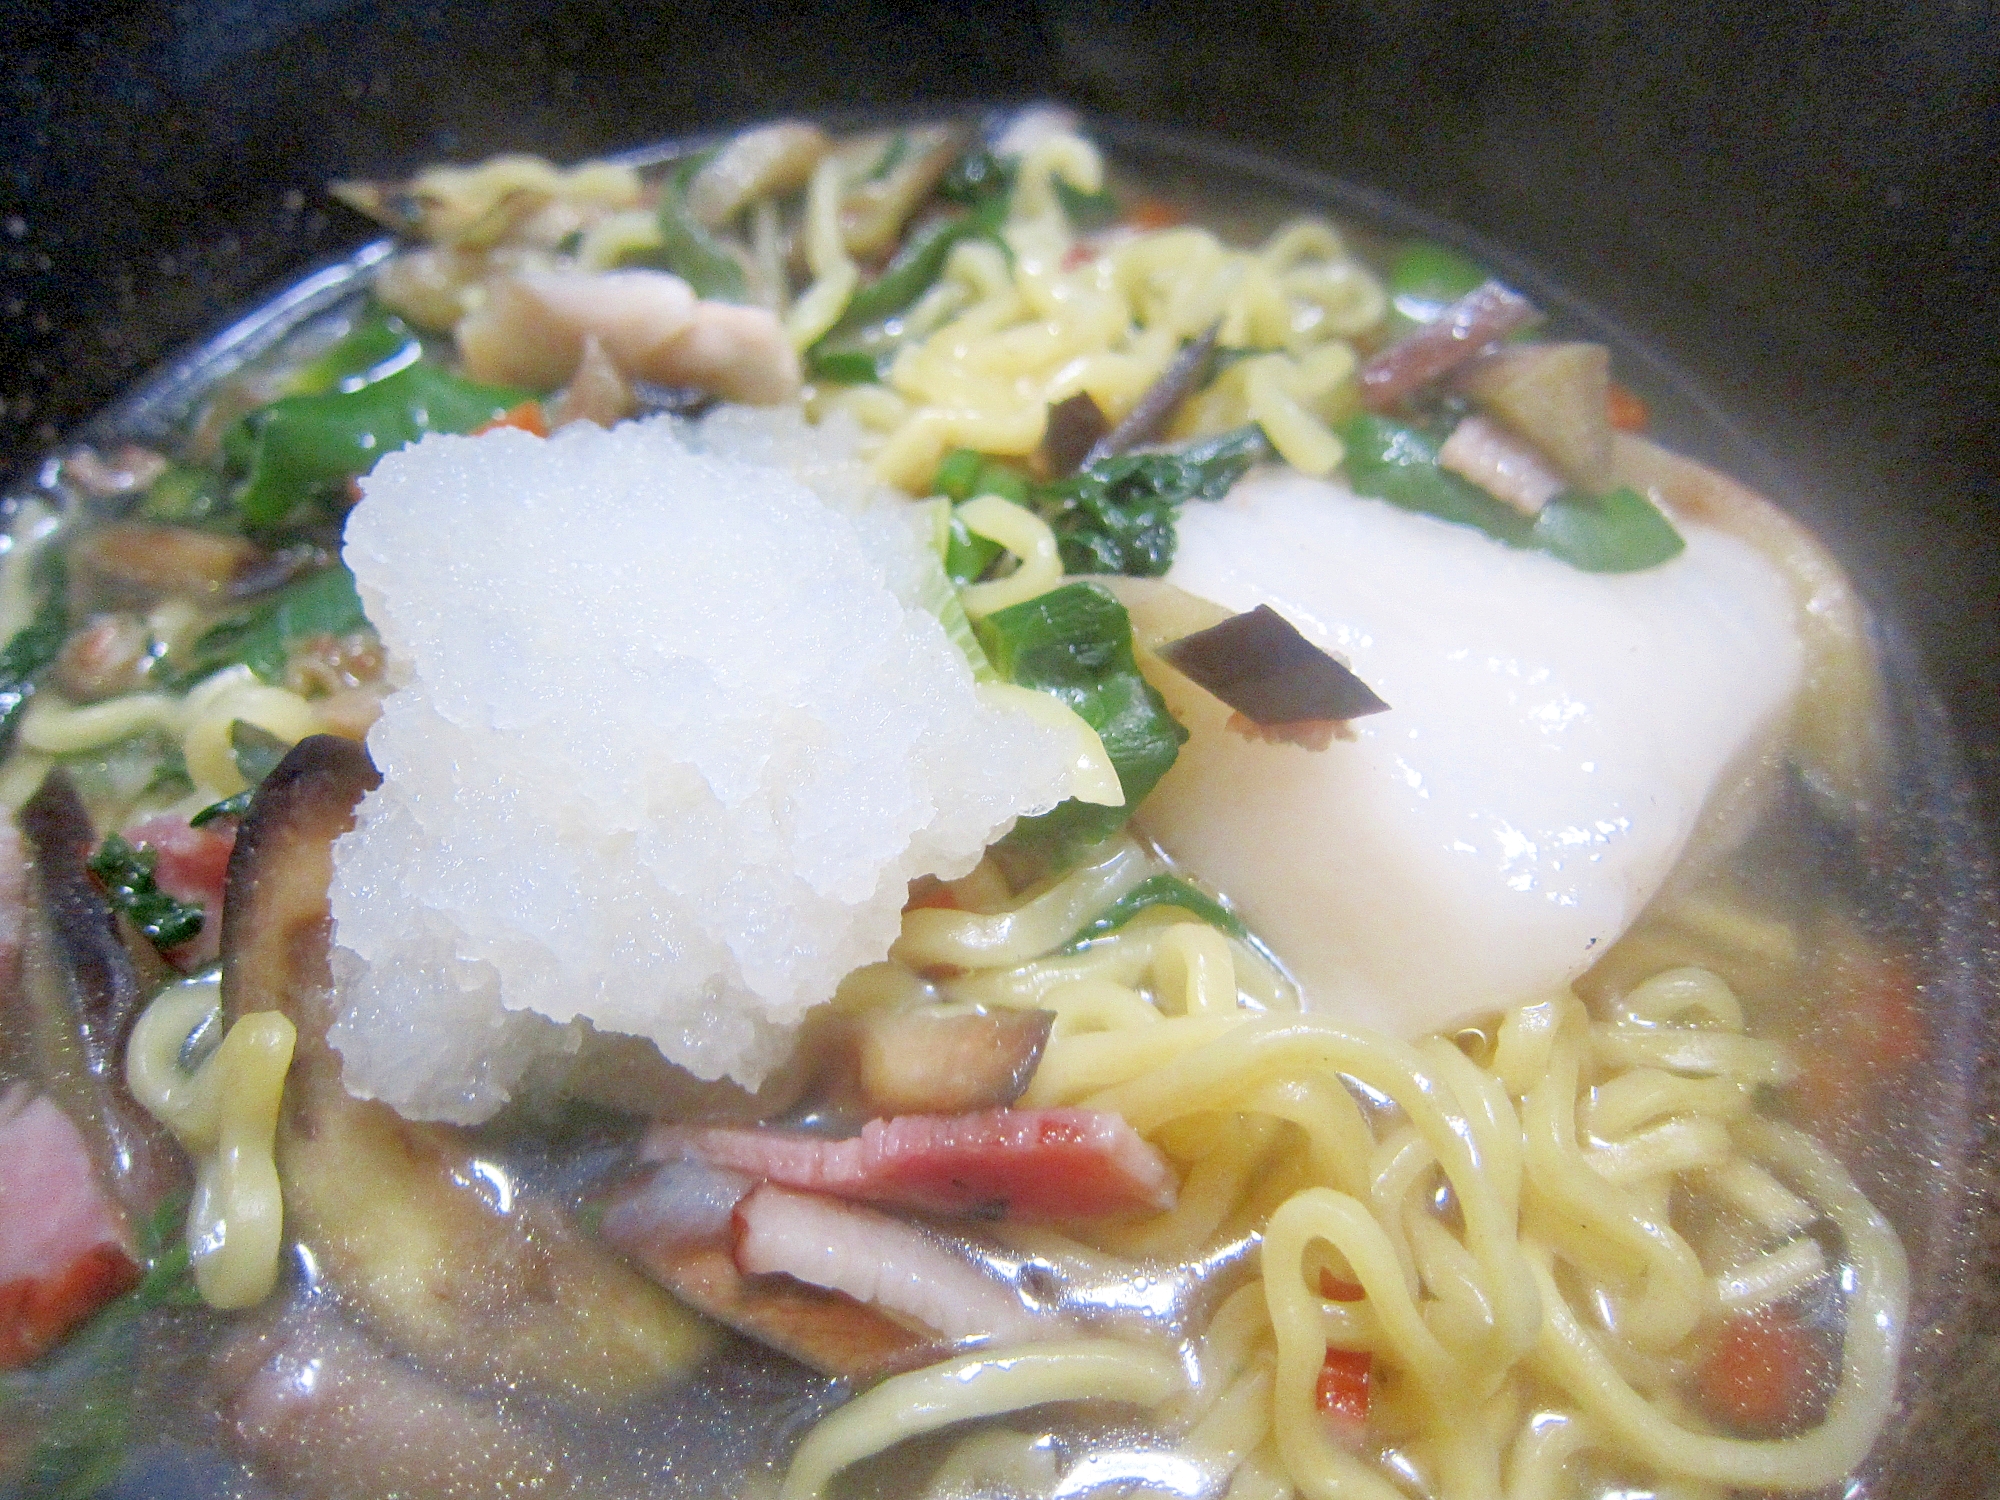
[
  {"x": 136, "y": 559},
  {"x": 1075, "y": 428},
  {"x": 333, "y": 1418},
  {"x": 1155, "y": 408},
  {"x": 1260, "y": 665},
  {"x": 922, "y": 1062},
  {"x": 1483, "y": 316},
  {"x": 80, "y": 992},
  {"x": 1556, "y": 396},
  {"x": 498, "y": 1293}
]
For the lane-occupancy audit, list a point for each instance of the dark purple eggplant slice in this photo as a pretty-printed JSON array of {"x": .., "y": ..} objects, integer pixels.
[
  {"x": 1259, "y": 665},
  {"x": 913, "y": 1062},
  {"x": 511, "y": 1296},
  {"x": 1075, "y": 425}
]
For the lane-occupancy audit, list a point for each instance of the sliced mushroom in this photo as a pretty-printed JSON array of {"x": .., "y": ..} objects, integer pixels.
[
  {"x": 104, "y": 657},
  {"x": 334, "y": 1418},
  {"x": 135, "y": 558},
  {"x": 531, "y": 331},
  {"x": 1555, "y": 396},
  {"x": 481, "y": 1288},
  {"x": 676, "y": 1225},
  {"x": 80, "y": 991},
  {"x": 597, "y": 391}
]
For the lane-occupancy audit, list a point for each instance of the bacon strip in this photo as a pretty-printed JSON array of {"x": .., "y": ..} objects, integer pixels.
[
  {"x": 879, "y": 1261},
  {"x": 1486, "y": 313},
  {"x": 1000, "y": 1163},
  {"x": 62, "y": 1245}
]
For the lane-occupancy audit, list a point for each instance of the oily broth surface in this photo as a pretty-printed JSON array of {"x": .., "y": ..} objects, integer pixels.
[{"x": 745, "y": 1405}]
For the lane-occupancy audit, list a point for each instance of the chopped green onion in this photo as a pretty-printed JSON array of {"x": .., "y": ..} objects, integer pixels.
[
  {"x": 255, "y": 750},
  {"x": 1076, "y": 643},
  {"x": 299, "y": 447},
  {"x": 228, "y": 807},
  {"x": 377, "y": 346},
  {"x": 35, "y": 644},
  {"x": 1425, "y": 278},
  {"x": 1621, "y": 532},
  {"x": 686, "y": 246}
]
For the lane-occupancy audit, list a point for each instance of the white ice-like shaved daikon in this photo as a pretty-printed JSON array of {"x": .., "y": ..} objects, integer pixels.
[
  {"x": 1552, "y": 739},
  {"x": 672, "y": 733}
]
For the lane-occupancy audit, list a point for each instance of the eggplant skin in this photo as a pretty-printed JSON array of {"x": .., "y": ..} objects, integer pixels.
[{"x": 511, "y": 1297}]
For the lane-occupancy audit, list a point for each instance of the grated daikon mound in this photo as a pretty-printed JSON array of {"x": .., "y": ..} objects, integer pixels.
[{"x": 671, "y": 735}]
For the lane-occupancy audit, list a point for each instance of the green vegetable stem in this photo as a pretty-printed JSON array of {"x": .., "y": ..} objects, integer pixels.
[
  {"x": 262, "y": 636},
  {"x": 34, "y": 645},
  {"x": 1076, "y": 642},
  {"x": 1621, "y": 532},
  {"x": 686, "y": 247},
  {"x": 299, "y": 447}
]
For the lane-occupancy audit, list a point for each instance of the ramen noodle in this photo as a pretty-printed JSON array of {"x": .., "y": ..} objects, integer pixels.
[{"x": 1008, "y": 844}]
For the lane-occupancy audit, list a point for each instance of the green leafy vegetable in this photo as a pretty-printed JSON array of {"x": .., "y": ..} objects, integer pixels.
[
  {"x": 262, "y": 636},
  {"x": 1159, "y": 890},
  {"x": 378, "y": 345},
  {"x": 228, "y": 807},
  {"x": 977, "y": 177},
  {"x": 968, "y": 555},
  {"x": 1098, "y": 210},
  {"x": 1117, "y": 515},
  {"x": 184, "y": 496},
  {"x": 892, "y": 156},
  {"x": 686, "y": 247},
  {"x": 941, "y": 592},
  {"x": 255, "y": 750},
  {"x": 1621, "y": 532},
  {"x": 35, "y": 644},
  {"x": 860, "y": 346},
  {"x": 1425, "y": 279},
  {"x": 1076, "y": 642},
  {"x": 299, "y": 447},
  {"x": 126, "y": 874}
]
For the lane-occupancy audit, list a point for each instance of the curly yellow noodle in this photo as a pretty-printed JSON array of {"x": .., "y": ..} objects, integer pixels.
[
  {"x": 980, "y": 1386},
  {"x": 1505, "y": 1206}
]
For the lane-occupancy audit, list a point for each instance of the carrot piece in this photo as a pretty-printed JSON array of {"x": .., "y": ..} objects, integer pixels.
[
  {"x": 1869, "y": 1032},
  {"x": 1154, "y": 213},
  {"x": 34, "y": 1314},
  {"x": 1626, "y": 409},
  {"x": 1336, "y": 1289},
  {"x": 1761, "y": 1373},
  {"x": 1342, "y": 1391},
  {"x": 528, "y": 416},
  {"x": 927, "y": 891}
]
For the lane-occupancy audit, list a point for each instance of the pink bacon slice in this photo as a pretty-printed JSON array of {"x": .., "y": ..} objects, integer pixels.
[
  {"x": 998, "y": 1163},
  {"x": 1488, "y": 312},
  {"x": 63, "y": 1252}
]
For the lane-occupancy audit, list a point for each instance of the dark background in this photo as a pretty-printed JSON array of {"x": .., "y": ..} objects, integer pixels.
[{"x": 1798, "y": 206}]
